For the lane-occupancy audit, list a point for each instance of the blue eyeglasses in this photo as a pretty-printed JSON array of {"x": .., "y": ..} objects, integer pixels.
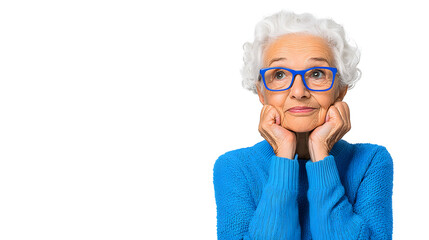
[{"x": 315, "y": 79}]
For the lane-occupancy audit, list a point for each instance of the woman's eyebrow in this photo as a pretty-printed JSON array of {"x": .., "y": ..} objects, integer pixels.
[
  {"x": 276, "y": 59},
  {"x": 319, "y": 60}
]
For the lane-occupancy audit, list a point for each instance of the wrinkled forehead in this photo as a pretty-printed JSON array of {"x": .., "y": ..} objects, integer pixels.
[{"x": 297, "y": 49}]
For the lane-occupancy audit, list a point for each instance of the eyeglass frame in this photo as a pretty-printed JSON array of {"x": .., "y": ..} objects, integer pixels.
[{"x": 298, "y": 72}]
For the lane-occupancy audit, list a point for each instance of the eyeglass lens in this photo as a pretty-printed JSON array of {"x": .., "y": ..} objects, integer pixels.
[{"x": 316, "y": 79}]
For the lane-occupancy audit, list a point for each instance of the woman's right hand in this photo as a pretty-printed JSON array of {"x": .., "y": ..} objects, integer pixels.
[{"x": 281, "y": 140}]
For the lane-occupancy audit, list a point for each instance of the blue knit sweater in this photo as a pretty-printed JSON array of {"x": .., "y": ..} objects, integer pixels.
[{"x": 347, "y": 195}]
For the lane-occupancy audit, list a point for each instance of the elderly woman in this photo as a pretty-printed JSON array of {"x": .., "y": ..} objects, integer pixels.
[{"x": 303, "y": 181}]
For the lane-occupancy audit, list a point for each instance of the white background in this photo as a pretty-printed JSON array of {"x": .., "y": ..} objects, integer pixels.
[{"x": 113, "y": 113}]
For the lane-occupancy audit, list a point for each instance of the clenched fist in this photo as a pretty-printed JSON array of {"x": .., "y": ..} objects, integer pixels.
[
  {"x": 323, "y": 138},
  {"x": 273, "y": 129}
]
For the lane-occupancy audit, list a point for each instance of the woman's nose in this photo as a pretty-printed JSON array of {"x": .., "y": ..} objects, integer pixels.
[{"x": 298, "y": 89}]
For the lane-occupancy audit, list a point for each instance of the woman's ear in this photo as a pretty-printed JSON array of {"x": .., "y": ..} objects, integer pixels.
[
  {"x": 260, "y": 94},
  {"x": 342, "y": 93}
]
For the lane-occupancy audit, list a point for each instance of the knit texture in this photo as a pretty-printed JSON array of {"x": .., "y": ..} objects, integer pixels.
[{"x": 347, "y": 195}]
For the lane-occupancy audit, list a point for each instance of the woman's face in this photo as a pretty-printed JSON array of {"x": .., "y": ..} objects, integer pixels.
[{"x": 299, "y": 52}]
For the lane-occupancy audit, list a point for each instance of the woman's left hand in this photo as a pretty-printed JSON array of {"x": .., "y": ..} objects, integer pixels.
[{"x": 323, "y": 138}]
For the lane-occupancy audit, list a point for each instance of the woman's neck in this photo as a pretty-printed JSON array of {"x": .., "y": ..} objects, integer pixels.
[{"x": 302, "y": 145}]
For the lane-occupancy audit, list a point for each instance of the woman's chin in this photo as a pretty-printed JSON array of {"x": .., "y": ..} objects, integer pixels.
[{"x": 302, "y": 129}]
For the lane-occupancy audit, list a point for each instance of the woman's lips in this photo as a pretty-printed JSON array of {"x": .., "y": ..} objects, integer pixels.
[{"x": 300, "y": 109}]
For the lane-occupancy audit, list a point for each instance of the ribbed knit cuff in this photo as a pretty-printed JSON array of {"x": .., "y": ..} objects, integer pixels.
[
  {"x": 284, "y": 173},
  {"x": 277, "y": 216},
  {"x": 322, "y": 174}
]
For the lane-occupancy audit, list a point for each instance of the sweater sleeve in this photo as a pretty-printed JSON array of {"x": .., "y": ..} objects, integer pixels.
[
  {"x": 275, "y": 217},
  {"x": 332, "y": 216}
]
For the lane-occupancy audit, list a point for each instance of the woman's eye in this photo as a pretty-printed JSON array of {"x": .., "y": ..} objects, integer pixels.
[
  {"x": 317, "y": 74},
  {"x": 279, "y": 75}
]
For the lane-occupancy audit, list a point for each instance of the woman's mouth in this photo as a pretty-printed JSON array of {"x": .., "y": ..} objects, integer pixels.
[{"x": 300, "y": 109}]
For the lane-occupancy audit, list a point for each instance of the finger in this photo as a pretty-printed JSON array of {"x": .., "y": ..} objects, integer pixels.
[
  {"x": 340, "y": 106},
  {"x": 275, "y": 115},
  {"x": 346, "y": 106},
  {"x": 269, "y": 139},
  {"x": 263, "y": 111},
  {"x": 336, "y": 122},
  {"x": 268, "y": 128},
  {"x": 279, "y": 116},
  {"x": 265, "y": 116},
  {"x": 344, "y": 111},
  {"x": 339, "y": 125},
  {"x": 263, "y": 126},
  {"x": 329, "y": 128},
  {"x": 349, "y": 124},
  {"x": 345, "y": 114},
  {"x": 332, "y": 115},
  {"x": 261, "y": 118},
  {"x": 271, "y": 115}
]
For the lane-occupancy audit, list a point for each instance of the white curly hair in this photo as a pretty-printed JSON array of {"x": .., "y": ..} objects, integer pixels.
[{"x": 346, "y": 55}]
